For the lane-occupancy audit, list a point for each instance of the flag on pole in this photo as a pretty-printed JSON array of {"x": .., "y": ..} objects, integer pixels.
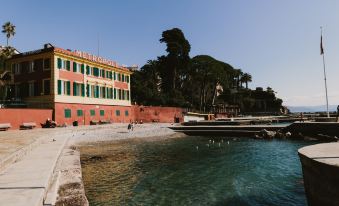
[{"x": 321, "y": 45}]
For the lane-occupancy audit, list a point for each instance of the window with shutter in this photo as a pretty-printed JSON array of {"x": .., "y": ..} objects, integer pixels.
[
  {"x": 83, "y": 90},
  {"x": 75, "y": 67},
  {"x": 68, "y": 113},
  {"x": 88, "y": 72},
  {"x": 68, "y": 65},
  {"x": 68, "y": 88},
  {"x": 80, "y": 113},
  {"x": 82, "y": 68},
  {"x": 102, "y": 112},
  {"x": 59, "y": 87},
  {"x": 87, "y": 90},
  {"x": 59, "y": 63},
  {"x": 74, "y": 89}
]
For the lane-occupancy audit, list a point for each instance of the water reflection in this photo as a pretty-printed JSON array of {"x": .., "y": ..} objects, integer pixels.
[{"x": 193, "y": 171}]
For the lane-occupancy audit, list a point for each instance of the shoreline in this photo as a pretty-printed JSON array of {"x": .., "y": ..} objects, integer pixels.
[{"x": 71, "y": 189}]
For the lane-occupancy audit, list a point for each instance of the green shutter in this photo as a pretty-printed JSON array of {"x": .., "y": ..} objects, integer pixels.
[
  {"x": 80, "y": 113},
  {"x": 126, "y": 113},
  {"x": 59, "y": 63},
  {"x": 87, "y": 90},
  {"x": 68, "y": 87},
  {"x": 115, "y": 76},
  {"x": 97, "y": 91},
  {"x": 68, "y": 113},
  {"x": 92, "y": 112},
  {"x": 102, "y": 112},
  {"x": 74, "y": 89},
  {"x": 82, "y": 68},
  {"x": 83, "y": 90},
  {"x": 127, "y": 79},
  {"x": 117, "y": 112},
  {"x": 68, "y": 65},
  {"x": 59, "y": 86},
  {"x": 74, "y": 66},
  {"x": 122, "y": 77},
  {"x": 110, "y": 75},
  {"x": 87, "y": 70}
]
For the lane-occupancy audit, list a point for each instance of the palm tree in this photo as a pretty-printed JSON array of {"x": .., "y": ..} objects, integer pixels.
[
  {"x": 9, "y": 29},
  {"x": 246, "y": 77},
  {"x": 237, "y": 74}
]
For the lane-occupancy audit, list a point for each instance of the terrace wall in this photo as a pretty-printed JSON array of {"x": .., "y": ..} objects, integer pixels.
[{"x": 18, "y": 116}]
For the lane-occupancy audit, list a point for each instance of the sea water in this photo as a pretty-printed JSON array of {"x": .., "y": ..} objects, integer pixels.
[{"x": 194, "y": 171}]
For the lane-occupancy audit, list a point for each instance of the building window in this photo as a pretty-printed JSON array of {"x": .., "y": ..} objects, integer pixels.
[
  {"x": 80, "y": 113},
  {"x": 126, "y": 113},
  {"x": 78, "y": 89},
  {"x": 31, "y": 67},
  {"x": 115, "y": 76},
  {"x": 117, "y": 112},
  {"x": 47, "y": 64},
  {"x": 46, "y": 86},
  {"x": 102, "y": 112},
  {"x": 31, "y": 89},
  {"x": 92, "y": 112},
  {"x": 38, "y": 65},
  {"x": 88, "y": 70},
  {"x": 123, "y": 94},
  {"x": 128, "y": 95},
  {"x": 75, "y": 67},
  {"x": 68, "y": 65},
  {"x": 119, "y": 94},
  {"x": 64, "y": 87},
  {"x": 119, "y": 77},
  {"x": 115, "y": 93},
  {"x": 68, "y": 113},
  {"x": 82, "y": 69},
  {"x": 127, "y": 79},
  {"x": 16, "y": 68},
  {"x": 95, "y": 71},
  {"x": 102, "y": 92},
  {"x": 59, "y": 62},
  {"x": 122, "y": 77}
]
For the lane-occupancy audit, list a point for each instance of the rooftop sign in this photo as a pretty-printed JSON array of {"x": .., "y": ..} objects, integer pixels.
[{"x": 90, "y": 57}]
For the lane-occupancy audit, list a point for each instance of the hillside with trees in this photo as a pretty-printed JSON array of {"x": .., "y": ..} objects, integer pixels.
[{"x": 197, "y": 83}]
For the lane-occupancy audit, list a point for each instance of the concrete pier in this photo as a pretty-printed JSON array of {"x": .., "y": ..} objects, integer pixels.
[
  {"x": 320, "y": 165},
  {"x": 26, "y": 181}
]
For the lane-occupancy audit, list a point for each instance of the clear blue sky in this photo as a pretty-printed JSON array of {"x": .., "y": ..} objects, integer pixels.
[{"x": 276, "y": 41}]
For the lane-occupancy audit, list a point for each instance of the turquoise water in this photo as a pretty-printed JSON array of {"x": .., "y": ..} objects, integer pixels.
[{"x": 196, "y": 171}]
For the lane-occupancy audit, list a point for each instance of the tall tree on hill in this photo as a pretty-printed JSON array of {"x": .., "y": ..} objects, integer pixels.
[
  {"x": 177, "y": 59},
  {"x": 9, "y": 29},
  {"x": 238, "y": 74},
  {"x": 246, "y": 77}
]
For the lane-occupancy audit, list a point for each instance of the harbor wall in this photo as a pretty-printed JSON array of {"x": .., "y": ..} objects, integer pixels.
[
  {"x": 157, "y": 114},
  {"x": 321, "y": 178},
  {"x": 17, "y": 117}
]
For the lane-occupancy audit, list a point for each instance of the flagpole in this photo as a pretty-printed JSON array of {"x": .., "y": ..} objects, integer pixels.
[{"x": 323, "y": 54}]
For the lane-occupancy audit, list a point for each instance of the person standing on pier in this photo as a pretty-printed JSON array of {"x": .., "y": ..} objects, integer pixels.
[{"x": 301, "y": 117}]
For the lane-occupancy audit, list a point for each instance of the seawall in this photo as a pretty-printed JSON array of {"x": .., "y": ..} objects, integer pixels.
[{"x": 320, "y": 165}]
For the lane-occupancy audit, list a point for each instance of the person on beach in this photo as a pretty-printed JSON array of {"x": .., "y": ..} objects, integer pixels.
[{"x": 129, "y": 127}]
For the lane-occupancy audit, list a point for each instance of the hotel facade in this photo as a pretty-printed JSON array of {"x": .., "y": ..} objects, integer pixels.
[{"x": 78, "y": 86}]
